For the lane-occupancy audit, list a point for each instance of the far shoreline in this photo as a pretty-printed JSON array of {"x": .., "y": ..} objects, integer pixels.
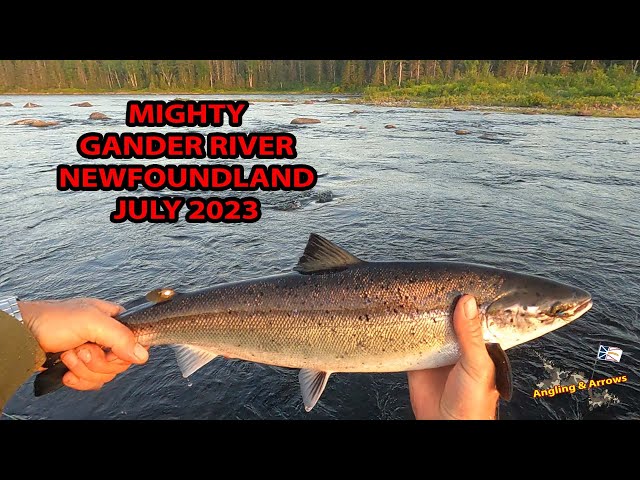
[{"x": 621, "y": 111}]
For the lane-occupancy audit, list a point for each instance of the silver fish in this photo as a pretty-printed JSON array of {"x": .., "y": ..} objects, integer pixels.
[{"x": 337, "y": 313}]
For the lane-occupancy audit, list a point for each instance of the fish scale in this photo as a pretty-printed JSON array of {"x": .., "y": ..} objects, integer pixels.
[
  {"x": 368, "y": 318},
  {"x": 337, "y": 313}
]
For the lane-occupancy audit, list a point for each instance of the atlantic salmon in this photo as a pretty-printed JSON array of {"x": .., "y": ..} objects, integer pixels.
[{"x": 336, "y": 313}]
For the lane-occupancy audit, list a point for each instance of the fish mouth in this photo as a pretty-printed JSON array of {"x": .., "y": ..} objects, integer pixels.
[{"x": 581, "y": 309}]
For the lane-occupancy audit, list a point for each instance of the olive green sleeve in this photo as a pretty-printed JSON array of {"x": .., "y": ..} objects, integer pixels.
[{"x": 20, "y": 356}]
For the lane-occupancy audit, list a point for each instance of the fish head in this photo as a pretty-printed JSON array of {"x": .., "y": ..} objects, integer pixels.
[{"x": 529, "y": 307}]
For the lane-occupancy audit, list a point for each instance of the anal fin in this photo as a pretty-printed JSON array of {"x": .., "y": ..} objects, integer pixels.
[
  {"x": 190, "y": 358},
  {"x": 504, "y": 377},
  {"x": 312, "y": 384}
]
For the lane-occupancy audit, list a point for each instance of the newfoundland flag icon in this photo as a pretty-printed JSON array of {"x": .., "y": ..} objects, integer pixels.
[{"x": 609, "y": 354}]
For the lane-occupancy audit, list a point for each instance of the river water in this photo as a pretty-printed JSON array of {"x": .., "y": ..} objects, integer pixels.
[{"x": 542, "y": 194}]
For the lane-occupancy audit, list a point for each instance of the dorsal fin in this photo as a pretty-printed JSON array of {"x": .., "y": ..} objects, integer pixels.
[{"x": 322, "y": 255}]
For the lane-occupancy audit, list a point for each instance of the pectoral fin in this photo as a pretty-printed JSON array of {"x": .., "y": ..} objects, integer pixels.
[
  {"x": 312, "y": 383},
  {"x": 504, "y": 377}
]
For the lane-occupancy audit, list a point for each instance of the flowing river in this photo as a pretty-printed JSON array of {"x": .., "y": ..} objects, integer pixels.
[{"x": 549, "y": 195}]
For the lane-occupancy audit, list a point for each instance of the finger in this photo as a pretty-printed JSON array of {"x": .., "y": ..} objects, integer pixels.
[
  {"x": 109, "y": 308},
  {"x": 95, "y": 359},
  {"x": 112, "y": 357},
  {"x": 80, "y": 370},
  {"x": 72, "y": 381},
  {"x": 425, "y": 390},
  {"x": 428, "y": 381},
  {"x": 108, "y": 332},
  {"x": 466, "y": 323}
]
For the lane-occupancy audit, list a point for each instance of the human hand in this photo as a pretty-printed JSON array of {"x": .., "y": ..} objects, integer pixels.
[
  {"x": 466, "y": 390},
  {"x": 67, "y": 325}
]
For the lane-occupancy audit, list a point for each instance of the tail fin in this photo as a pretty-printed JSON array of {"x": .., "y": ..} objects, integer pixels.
[{"x": 50, "y": 380}]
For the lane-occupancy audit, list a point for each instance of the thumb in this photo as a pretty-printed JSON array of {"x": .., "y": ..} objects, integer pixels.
[
  {"x": 108, "y": 332},
  {"x": 108, "y": 308},
  {"x": 466, "y": 323}
]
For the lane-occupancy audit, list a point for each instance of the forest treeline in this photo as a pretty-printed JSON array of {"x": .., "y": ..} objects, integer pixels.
[{"x": 276, "y": 75}]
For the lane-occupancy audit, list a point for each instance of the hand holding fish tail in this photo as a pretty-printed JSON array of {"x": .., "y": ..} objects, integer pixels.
[
  {"x": 80, "y": 328},
  {"x": 466, "y": 390}
]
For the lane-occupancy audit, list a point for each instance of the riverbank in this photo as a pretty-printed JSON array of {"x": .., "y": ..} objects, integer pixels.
[
  {"x": 609, "y": 112},
  {"x": 611, "y": 94},
  {"x": 408, "y": 98}
]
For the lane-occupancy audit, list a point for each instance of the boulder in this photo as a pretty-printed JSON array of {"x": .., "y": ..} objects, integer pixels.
[
  {"x": 462, "y": 132},
  {"x": 355, "y": 112},
  {"x": 460, "y": 109},
  {"x": 391, "y": 125},
  {"x": 325, "y": 196},
  {"x": 181, "y": 99},
  {"x": 287, "y": 104},
  {"x": 309, "y": 102},
  {"x": 32, "y": 122},
  {"x": 82, "y": 104},
  {"x": 584, "y": 113},
  {"x": 488, "y": 136},
  {"x": 31, "y": 105},
  {"x": 98, "y": 116},
  {"x": 304, "y": 121},
  {"x": 6, "y": 104}
]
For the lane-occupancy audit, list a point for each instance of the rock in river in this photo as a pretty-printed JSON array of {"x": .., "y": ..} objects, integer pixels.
[
  {"x": 391, "y": 125},
  {"x": 98, "y": 116},
  {"x": 31, "y": 105},
  {"x": 82, "y": 104},
  {"x": 488, "y": 136},
  {"x": 462, "y": 132},
  {"x": 6, "y": 104},
  {"x": 32, "y": 122},
  {"x": 304, "y": 121},
  {"x": 325, "y": 196}
]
